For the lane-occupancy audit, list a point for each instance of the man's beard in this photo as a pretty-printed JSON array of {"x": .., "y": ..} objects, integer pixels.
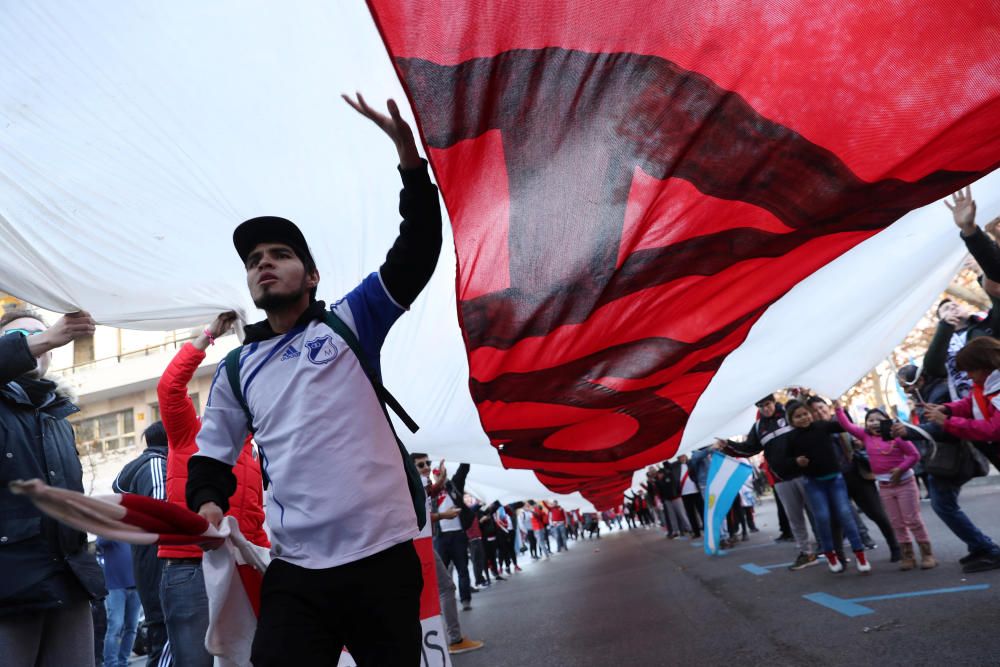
[{"x": 269, "y": 302}]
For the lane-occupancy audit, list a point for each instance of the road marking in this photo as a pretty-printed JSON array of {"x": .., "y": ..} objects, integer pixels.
[
  {"x": 761, "y": 570},
  {"x": 850, "y": 607},
  {"x": 701, "y": 545}
]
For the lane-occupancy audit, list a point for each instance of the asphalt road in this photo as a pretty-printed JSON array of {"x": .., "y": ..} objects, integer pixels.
[{"x": 636, "y": 598}]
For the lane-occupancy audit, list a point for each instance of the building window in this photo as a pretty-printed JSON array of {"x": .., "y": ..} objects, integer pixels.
[
  {"x": 105, "y": 434},
  {"x": 83, "y": 350},
  {"x": 154, "y": 408}
]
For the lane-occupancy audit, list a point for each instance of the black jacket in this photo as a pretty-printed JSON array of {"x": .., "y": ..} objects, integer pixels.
[
  {"x": 815, "y": 444},
  {"x": 43, "y": 564},
  {"x": 146, "y": 475},
  {"x": 987, "y": 254},
  {"x": 455, "y": 488},
  {"x": 770, "y": 435},
  {"x": 487, "y": 524}
]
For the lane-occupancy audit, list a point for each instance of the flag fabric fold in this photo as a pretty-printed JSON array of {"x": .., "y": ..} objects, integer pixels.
[{"x": 631, "y": 187}]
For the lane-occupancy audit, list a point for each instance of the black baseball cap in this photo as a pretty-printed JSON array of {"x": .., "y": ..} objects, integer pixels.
[
  {"x": 270, "y": 229},
  {"x": 766, "y": 399}
]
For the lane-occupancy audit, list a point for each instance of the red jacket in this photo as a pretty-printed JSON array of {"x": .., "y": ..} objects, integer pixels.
[{"x": 182, "y": 425}]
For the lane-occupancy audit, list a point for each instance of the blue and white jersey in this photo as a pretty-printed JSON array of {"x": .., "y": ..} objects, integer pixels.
[{"x": 338, "y": 489}]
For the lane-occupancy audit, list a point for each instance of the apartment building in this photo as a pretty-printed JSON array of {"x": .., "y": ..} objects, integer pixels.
[{"x": 114, "y": 375}]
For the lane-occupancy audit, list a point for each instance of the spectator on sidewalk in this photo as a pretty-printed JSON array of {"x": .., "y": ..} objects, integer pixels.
[
  {"x": 860, "y": 481},
  {"x": 557, "y": 523},
  {"x": 122, "y": 604},
  {"x": 146, "y": 475},
  {"x": 47, "y": 577},
  {"x": 694, "y": 504},
  {"x": 892, "y": 460},
  {"x": 457, "y": 641},
  {"x": 771, "y": 434},
  {"x": 452, "y": 543},
  {"x": 182, "y": 585}
]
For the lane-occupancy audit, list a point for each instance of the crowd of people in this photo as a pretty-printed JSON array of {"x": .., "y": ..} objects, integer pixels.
[
  {"x": 345, "y": 501},
  {"x": 826, "y": 471}
]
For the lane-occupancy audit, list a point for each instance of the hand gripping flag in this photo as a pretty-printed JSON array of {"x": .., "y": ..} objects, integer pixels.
[
  {"x": 233, "y": 566},
  {"x": 632, "y": 184},
  {"x": 125, "y": 517},
  {"x": 726, "y": 476}
]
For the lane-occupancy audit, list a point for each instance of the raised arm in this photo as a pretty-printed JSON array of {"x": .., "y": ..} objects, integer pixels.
[
  {"x": 180, "y": 419},
  {"x": 460, "y": 475},
  {"x": 411, "y": 260},
  {"x": 937, "y": 351},
  {"x": 19, "y": 354},
  {"x": 850, "y": 426},
  {"x": 752, "y": 445},
  {"x": 979, "y": 244}
]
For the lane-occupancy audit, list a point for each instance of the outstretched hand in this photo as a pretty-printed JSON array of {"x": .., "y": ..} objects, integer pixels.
[
  {"x": 963, "y": 209},
  {"x": 393, "y": 125}
]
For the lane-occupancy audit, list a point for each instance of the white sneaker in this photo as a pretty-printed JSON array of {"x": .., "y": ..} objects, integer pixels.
[
  {"x": 864, "y": 566},
  {"x": 834, "y": 563}
]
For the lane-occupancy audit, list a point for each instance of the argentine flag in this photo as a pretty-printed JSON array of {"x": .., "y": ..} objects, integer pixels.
[{"x": 725, "y": 477}]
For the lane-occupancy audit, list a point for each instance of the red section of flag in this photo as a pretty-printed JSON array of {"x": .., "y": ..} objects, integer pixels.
[
  {"x": 632, "y": 185},
  {"x": 430, "y": 601}
]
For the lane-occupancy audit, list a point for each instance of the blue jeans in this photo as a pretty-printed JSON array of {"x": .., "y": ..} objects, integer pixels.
[
  {"x": 185, "y": 612},
  {"x": 560, "y": 529},
  {"x": 123, "y": 607},
  {"x": 826, "y": 498},
  {"x": 453, "y": 547},
  {"x": 543, "y": 542},
  {"x": 944, "y": 502}
]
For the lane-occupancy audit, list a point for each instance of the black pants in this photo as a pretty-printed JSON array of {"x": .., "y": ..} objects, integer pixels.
[
  {"x": 479, "y": 561},
  {"x": 371, "y": 606},
  {"x": 865, "y": 495},
  {"x": 492, "y": 553},
  {"x": 532, "y": 544},
  {"x": 147, "y": 569},
  {"x": 694, "y": 507},
  {"x": 505, "y": 549},
  {"x": 453, "y": 547}
]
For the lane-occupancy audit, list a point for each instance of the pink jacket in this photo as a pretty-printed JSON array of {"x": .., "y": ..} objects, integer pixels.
[
  {"x": 968, "y": 422},
  {"x": 884, "y": 456}
]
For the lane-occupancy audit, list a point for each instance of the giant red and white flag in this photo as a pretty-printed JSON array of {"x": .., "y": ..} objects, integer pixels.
[
  {"x": 632, "y": 185},
  {"x": 660, "y": 210}
]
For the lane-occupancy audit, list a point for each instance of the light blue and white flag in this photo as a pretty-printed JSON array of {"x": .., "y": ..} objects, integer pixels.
[
  {"x": 903, "y": 409},
  {"x": 725, "y": 477}
]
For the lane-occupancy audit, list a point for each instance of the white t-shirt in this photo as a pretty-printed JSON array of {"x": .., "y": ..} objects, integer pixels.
[
  {"x": 338, "y": 489},
  {"x": 688, "y": 487},
  {"x": 447, "y": 525}
]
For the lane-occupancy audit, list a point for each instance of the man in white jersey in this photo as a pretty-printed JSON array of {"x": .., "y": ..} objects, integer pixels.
[{"x": 342, "y": 518}]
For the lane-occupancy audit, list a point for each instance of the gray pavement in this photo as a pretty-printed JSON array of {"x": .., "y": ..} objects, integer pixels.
[{"x": 636, "y": 598}]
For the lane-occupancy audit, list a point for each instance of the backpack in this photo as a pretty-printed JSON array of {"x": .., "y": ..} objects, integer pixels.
[{"x": 413, "y": 479}]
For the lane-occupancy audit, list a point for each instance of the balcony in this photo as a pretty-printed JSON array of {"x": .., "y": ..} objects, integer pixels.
[{"x": 136, "y": 370}]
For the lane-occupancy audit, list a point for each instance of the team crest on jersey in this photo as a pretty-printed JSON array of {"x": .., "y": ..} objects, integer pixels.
[{"x": 321, "y": 350}]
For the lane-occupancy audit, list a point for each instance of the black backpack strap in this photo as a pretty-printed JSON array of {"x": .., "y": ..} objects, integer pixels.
[
  {"x": 233, "y": 374},
  {"x": 413, "y": 479},
  {"x": 384, "y": 397}
]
